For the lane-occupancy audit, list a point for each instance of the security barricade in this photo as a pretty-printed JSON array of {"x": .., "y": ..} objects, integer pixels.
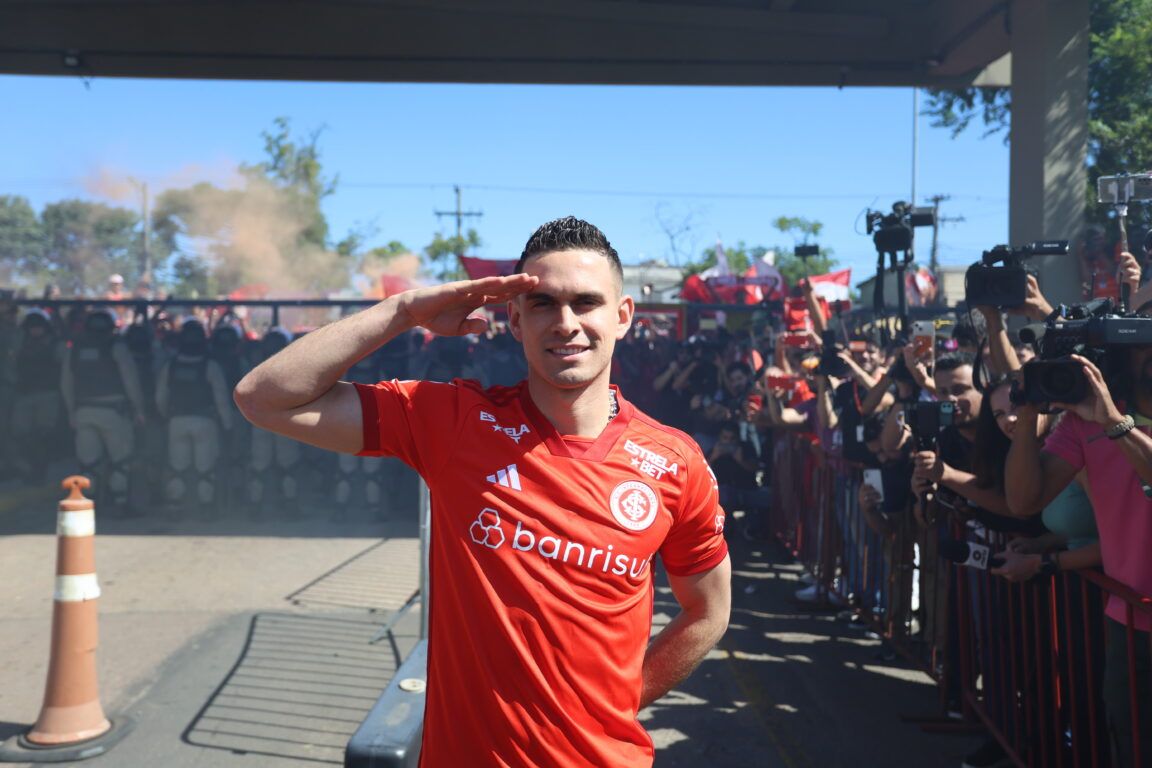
[{"x": 1037, "y": 662}]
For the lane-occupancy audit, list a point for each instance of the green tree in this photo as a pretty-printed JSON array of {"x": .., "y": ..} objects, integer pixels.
[
  {"x": 791, "y": 266},
  {"x": 441, "y": 253},
  {"x": 21, "y": 240},
  {"x": 86, "y": 242},
  {"x": 1119, "y": 99},
  {"x": 270, "y": 231},
  {"x": 295, "y": 168},
  {"x": 802, "y": 231}
]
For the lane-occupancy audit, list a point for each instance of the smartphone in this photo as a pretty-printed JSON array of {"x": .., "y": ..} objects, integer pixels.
[
  {"x": 800, "y": 340},
  {"x": 872, "y": 478},
  {"x": 1124, "y": 188},
  {"x": 923, "y": 338},
  {"x": 781, "y": 382}
]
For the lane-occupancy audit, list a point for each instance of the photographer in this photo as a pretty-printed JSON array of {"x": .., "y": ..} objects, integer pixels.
[
  {"x": 1119, "y": 468},
  {"x": 1116, "y": 473},
  {"x": 730, "y": 401},
  {"x": 734, "y": 462},
  {"x": 672, "y": 388},
  {"x": 951, "y": 464},
  {"x": 1005, "y": 356}
]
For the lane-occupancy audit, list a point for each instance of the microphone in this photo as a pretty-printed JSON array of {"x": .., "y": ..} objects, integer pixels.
[{"x": 969, "y": 554}]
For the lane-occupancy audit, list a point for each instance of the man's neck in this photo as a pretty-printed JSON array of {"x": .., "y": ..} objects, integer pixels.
[{"x": 581, "y": 411}]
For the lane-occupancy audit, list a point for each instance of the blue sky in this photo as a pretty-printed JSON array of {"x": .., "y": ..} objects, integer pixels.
[{"x": 728, "y": 160}]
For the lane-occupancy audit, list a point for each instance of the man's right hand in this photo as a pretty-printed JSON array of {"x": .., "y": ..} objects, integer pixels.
[
  {"x": 1035, "y": 306},
  {"x": 448, "y": 309}
]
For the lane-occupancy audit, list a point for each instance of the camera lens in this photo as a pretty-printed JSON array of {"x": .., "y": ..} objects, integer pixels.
[{"x": 1063, "y": 382}]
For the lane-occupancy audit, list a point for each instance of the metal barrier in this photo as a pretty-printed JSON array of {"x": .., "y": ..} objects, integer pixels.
[{"x": 1037, "y": 663}]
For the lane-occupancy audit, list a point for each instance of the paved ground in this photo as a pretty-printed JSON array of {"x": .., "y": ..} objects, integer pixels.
[{"x": 246, "y": 643}]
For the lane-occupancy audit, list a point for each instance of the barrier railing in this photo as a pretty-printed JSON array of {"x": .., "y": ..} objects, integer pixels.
[{"x": 1037, "y": 662}]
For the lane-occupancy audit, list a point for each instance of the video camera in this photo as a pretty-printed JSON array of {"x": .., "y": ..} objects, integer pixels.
[
  {"x": 892, "y": 232},
  {"x": 1006, "y": 285},
  {"x": 1093, "y": 331}
]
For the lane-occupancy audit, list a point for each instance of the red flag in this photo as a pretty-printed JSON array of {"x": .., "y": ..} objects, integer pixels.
[
  {"x": 920, "y": 287},
  {"x": 695, "y": 289},
  {"x": 763, "y": 281},
  {"x": 478, "y": 268},
  {"x": 833, "y": 286}
]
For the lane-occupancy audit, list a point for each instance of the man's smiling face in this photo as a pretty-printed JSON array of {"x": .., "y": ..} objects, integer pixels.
[{"x": 570, "y": 322}]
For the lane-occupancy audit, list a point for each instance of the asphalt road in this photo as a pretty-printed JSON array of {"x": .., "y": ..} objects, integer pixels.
[{"x": 247, "y": 643}]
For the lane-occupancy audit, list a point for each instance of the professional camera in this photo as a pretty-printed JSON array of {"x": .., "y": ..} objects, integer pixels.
[
  {"x": 1093, "y": 331},
  {"x": 892, "y": 232},
  {"x": 928, "y": 420},
  {"x": 986, "y": 284}
]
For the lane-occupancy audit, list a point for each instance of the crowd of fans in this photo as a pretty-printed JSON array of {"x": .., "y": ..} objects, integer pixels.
[
  {"x": 142, "y": 398},
  {"x": 943, "y": 460}
]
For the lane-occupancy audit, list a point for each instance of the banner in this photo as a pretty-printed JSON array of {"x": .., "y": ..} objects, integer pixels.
[
  {"x": 833, "y": 286},
  {"x": 478, "y": 268}
]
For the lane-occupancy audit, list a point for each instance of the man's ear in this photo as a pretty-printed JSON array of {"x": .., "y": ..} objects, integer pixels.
[
  {"x": 624, "y": 314},
  {"x": 514, "y": 319}
]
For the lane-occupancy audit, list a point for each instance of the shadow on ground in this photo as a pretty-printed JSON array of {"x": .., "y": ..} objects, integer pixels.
[
  {"x": 795, "y": 687},
  {"x": 300, "y": 688}
]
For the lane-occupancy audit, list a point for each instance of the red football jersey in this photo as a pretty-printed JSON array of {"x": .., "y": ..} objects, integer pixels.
[{"x": 541, "y": 568}]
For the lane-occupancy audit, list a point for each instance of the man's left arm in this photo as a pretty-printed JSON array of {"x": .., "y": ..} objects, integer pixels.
[
  {"x": 705, "y": 603},
  {"x": 1099, "y": 407}
]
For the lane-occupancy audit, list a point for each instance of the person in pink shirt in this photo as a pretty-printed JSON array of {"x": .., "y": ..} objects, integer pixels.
[{"x": 1111, "y": 442}]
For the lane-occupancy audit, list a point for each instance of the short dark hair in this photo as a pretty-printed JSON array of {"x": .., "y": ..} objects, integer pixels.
[
  {"x": 739, "y": 365},
  {"x": 971, "y": 329},
  {"x": 570, "y": 234},
  {"x": 954, "y": 360}
]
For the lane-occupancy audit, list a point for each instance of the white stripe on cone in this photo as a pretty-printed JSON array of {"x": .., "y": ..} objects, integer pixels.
[
  {"x": 76, "y": 588},
  {"x": 78, "y": 523}
]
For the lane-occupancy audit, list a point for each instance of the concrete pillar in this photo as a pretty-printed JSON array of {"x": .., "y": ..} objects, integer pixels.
[{"x": 1049, "y": 134}]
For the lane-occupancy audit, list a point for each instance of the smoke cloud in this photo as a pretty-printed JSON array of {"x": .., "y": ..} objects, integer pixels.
[{"x": 250, "y": 234}]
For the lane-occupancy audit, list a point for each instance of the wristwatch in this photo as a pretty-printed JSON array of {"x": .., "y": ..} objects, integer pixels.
[{"x": 1121, "y": 428}]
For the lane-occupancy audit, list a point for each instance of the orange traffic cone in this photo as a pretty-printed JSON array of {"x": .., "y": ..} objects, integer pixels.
[{"x": 72, "y": 722}]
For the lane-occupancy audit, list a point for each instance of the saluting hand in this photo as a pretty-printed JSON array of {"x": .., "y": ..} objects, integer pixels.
[{"x": 449, "y": 309}]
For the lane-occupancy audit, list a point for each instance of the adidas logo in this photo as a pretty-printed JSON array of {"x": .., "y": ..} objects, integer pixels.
[{"x": 507, "y": 477}]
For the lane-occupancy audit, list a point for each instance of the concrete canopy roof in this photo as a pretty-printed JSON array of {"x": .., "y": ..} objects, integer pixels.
[{"x": 666, "y": 42}]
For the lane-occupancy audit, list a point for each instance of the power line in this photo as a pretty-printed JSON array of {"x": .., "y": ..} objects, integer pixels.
[
  {"x": 431, "y": 185},
  {"x": 937, "y": 221},
  {"x": 459, "y": 214}
]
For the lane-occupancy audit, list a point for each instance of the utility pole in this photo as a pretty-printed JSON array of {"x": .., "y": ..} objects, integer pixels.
[
  {"x": 937, "y": 220},
  {"x": 459, "y": 214},
  {"x": 146, "y": 274},
  {"x": 146, "y": 231}
]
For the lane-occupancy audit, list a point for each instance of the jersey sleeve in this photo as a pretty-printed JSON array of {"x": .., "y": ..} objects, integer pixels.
[
  {"x": 1065, "y": 442},
  {"x": 415, "y": 421},
  {"x": 696, "y": 541}
]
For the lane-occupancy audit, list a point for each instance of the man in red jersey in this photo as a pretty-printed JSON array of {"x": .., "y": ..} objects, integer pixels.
[{"x": 549, "y": 500}]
